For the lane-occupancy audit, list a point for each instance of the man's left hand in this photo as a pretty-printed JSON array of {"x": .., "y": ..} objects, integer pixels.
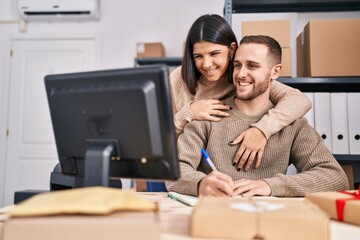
[{"x": 248, "y": 188}]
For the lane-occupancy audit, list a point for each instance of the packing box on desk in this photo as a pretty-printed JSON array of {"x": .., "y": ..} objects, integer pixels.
[
  {"x": 341, "y": 206},
  {"x": 286, "y": 62},
  {"x": 119, "y": 225},
  {"x": 329, "y": 48},
  {"x": 243, "y": 218},
  {"x": 1, "y": 229},
  {"x": 149, "y": 50}
]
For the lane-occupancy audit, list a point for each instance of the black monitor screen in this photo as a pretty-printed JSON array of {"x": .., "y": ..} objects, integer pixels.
[{"x": 114, "y": 123}]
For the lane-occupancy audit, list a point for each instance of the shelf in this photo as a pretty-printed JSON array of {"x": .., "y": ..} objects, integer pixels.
[
  {"x": 273, "y": 6},
  {"x": 344, "y": 158},
  {"x": 264, "y": 6},
  {"x": 329, "y": 84},
  {"x": 170, "y": 61}
]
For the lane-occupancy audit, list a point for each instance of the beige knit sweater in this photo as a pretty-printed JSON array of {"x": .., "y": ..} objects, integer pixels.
[
  {"x": 284, "y": 97},
  {"x": 297, "y": 143}
]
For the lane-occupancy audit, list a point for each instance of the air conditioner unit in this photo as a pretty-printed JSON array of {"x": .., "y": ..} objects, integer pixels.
[{"x": 57, "y": 10}]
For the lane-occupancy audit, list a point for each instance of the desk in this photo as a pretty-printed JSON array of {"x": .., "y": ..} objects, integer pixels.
[{"x": 174, "y": 221}]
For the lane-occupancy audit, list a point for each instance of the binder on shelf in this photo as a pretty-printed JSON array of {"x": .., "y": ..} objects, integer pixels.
[
  {"x": 322, "y": 116},
  {"x": 353, "y": 99},
  {"x": 339, "y": 123},
  {"x": 310, "y": 114}
]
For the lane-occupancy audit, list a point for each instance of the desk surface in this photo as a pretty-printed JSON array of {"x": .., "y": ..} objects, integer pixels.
[{"x": 175, "y": 220}]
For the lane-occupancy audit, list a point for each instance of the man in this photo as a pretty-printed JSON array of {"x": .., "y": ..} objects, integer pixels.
[{"x": 257, "y": 63}]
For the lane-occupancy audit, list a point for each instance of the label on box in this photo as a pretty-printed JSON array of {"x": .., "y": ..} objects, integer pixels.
[
  {"x": 260, "y": 206},
  {"x": 140, "y": 48}
]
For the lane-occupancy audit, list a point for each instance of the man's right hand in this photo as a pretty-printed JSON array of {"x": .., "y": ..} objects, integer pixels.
[{"x": 216, "y": 184}]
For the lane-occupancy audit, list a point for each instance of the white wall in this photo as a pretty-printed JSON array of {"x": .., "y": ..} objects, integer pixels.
[{"x": 125, "y": 22}]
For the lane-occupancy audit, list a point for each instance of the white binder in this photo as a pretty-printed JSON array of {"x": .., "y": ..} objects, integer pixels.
[
  {"x": 339, "y": 123},
  {"x": 322, "y": 116},
  {"x": 353, "y": 101},
  {"x": 310, "y": 114}
]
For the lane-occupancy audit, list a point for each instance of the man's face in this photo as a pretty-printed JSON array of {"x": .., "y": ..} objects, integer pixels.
[{"x": 252, "y": 73}]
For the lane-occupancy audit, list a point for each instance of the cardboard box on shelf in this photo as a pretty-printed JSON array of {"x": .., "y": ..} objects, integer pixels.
[
  {"x": 243, "y": 218},
  {"x": 329, "y": 48},
  {"x": 341, "y": 206},
  {"x": 120, "y": 225},
  {"x": 300, "y": 52},
  {"x": 286, "y": 62},
  {"x": 148, "y": 50},
  {"x": 277, "y": 29}
]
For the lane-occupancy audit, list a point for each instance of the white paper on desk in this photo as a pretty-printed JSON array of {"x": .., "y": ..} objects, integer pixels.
[
  {"x": 339, "y": 123},
  {"x": 322, "y": 110},
  {"x": 183, "y": 198},
  {"x": 353, "y": 100},
  {"x": 310, "y": 114}
]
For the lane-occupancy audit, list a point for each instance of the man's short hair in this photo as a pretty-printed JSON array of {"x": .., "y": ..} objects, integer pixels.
[{"x": 274, "y": 49}]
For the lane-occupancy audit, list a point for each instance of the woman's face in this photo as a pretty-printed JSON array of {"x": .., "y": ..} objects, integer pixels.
[{"x": 211, "y": 59}]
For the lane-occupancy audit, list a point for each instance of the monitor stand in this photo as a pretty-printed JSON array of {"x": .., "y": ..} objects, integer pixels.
[{"x": 97, "y": 164}]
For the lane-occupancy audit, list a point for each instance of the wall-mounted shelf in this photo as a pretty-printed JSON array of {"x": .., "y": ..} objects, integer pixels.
[
  {"x": 344, "y": 158},
  {"x": 170, "y": 61},
  {"x": 329, "y": 84},
  {"x": 272, "y": 6},
  {"x": 262, "y": 6}
]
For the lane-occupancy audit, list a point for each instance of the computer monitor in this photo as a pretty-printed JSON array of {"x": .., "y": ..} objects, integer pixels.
[{"x": 113, "y": 124}]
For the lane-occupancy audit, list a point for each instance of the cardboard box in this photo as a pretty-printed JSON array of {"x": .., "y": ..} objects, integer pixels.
[
  {"x": 327, "y": 201},
  {"x": 3, "y": 218},
  {"x": 277, "y": 29},
  {"x": 141, "y": 185},
  {"x": 330, "y": 48},
  {"x": 349, "y": 171},
  {"x": 286, "y": 62},
  {"x": 148, "y": 50},
  {"x": 1, "y": 230},
  {"x": 243, "y": 218},
  {"x": 300, "y": 52},
  {"x": 120, "y": 225}
]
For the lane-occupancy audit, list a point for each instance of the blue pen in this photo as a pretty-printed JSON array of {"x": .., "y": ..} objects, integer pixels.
[{"x": 208, "y": 160}]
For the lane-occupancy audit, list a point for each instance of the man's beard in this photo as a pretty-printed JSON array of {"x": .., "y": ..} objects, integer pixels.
[{"x": 258, "y": 90}]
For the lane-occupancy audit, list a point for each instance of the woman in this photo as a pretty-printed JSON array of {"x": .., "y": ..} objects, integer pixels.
[{"x": 205, "y": 78}]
